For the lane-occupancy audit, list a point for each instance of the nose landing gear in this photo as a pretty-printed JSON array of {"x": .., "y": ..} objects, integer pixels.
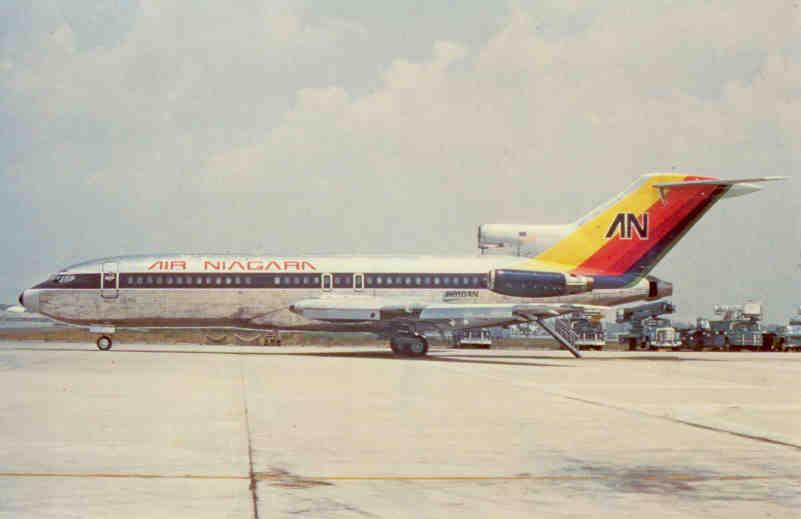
[{"x": 104, "y": 343}]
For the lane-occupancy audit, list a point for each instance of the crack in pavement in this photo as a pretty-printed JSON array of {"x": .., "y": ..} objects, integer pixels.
[
  {"x": 632, "y": 410},
  {"x": 282, "y": 478},
  {"x": 118, "y": 475},
  {"x": 251, "y": 474}
]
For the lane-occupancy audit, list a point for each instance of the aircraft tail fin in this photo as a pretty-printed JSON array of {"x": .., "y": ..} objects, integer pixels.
[{"x": 629, "y": 234}]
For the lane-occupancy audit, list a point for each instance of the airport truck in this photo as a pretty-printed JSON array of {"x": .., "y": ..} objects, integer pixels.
[
  {"x": 588, "y": 329},
  {"x": 790, "y": 335},
  {"x": 738, "y": 328},
  {"x": 744, "y": 330},
  {"x": 647, "y": 329},
  {"x": 703, "y": 336}
]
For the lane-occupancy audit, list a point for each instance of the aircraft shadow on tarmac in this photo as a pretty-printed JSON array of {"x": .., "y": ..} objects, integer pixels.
[
  {"x": 440, "y": 356},
  {"x": 506, "y": 360},
  {"x": 448, "y": 356}
]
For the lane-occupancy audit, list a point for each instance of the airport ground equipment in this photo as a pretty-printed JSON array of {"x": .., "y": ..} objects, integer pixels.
[
  {"x": 703, "y": 336},
  {"x": 474, "y": 338},
  {"x": 741, "y": 325},
  {"x": 738, "y": 328},
  {"x": 646, "y": 328},
  {"x": 790, "y": 335},
  {"x": 587, "y": 328}
]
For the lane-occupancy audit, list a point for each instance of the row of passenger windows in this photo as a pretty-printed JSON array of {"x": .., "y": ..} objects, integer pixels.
[
  {"x": 157, "y": 279},
  {"x": 466, "y": 281},
  {"x": 305, "y": 280}
]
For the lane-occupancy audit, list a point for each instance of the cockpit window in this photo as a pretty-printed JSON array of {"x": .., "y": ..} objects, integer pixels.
[{"x": 63, "y": 279}]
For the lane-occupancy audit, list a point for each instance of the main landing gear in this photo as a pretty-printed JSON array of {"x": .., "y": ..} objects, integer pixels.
[
  {"x": 409, "y": 345},
  {"x": 104, "y": 343}
]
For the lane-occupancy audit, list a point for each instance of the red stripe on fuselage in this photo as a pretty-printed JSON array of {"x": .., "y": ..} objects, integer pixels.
[{"x": 618, "y": 255}]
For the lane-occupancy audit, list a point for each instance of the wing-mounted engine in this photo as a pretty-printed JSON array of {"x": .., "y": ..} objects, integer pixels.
[
  {"x": 527, "y": 283},
  {"x": 519, "y": 239}
]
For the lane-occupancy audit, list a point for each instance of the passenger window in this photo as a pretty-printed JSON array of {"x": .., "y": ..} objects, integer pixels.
[
  {"x": 417, "y": 281},
  {"x": 159, "y": 280},
  {"x": 238, "y": 280},
  {"x": 446, "y": 280},
  {"x": 140, "y": 280},
  {"x": 219, "y": 281},
  {"x": 130, "y": 280},
  {"x": 389, "y": 280},
  {"x": 427, "y": 280},
  {"x": 247, "y": 280},
  {"x": 436, "y": 280},
  {"x": 179, "y": 280},
  {"x": 150, "y": 280},
  {"x": 227, "y": 280},
  {"x": 169, "y": 280}
]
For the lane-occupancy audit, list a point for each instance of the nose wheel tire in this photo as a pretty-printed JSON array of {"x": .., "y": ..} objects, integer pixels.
[
  {"x": 104, "y": 343},
  {"x": 409, "y": 345}
]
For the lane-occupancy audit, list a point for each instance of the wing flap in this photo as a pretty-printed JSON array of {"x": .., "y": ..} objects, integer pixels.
[{"x": 500, "y": 311}]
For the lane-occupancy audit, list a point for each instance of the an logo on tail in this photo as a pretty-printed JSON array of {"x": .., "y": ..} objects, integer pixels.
[{"x": 626, "y": 225}]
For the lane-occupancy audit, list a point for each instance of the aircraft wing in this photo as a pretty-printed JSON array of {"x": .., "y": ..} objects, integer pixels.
[
  {"x": 458, "y": 315},
  {"x": 395, "y": 312},
  {"x": 513, "y": 312}
]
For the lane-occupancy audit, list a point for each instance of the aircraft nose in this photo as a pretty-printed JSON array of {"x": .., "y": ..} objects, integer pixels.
[
  {"x": 30, "y": 300},
  {"x": 20, "y": 299}
]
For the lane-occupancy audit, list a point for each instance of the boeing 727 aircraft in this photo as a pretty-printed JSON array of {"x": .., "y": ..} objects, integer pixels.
[{"x": 602, "y": 259}]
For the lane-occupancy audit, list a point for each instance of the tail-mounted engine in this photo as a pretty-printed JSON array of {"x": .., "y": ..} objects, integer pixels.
[{"x": 527, "y": 283}]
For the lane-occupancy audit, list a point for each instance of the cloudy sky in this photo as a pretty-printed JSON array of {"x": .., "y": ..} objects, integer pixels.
[{"x": 393, "y": 127}]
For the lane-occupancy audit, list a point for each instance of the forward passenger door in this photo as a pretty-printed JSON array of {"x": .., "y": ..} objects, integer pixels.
[{"x": 109, "y": 281}]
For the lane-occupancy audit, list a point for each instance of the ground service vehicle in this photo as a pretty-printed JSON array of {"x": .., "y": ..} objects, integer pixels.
[
  {"x": 588, "y": 329},
  {"x": 646, "y": 328},
  {"x": 744, "y": 330},
  {"x": 790, "y": 335},
  {"x": 739, "y": 328}
]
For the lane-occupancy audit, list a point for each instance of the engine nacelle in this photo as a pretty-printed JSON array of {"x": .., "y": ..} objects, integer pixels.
[
  {"x": 528, "y": 283},
  {"x": 520, "y": 239}
]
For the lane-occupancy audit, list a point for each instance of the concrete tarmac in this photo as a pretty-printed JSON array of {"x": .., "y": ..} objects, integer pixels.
[{"x": 182, "y": 431}]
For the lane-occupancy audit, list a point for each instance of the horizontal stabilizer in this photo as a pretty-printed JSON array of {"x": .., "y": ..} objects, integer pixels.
[
  {"x": 737, "y": 187},
  {"x": 716, "y": 182}
]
